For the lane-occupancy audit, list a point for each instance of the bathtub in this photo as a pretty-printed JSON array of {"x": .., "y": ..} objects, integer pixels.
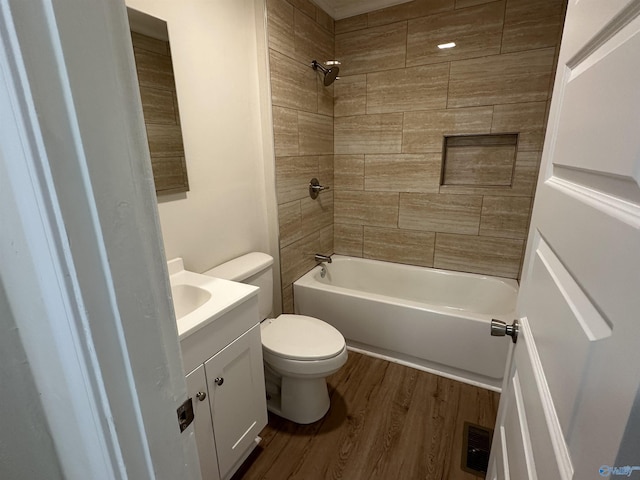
[{"x": 434, "y": 320}]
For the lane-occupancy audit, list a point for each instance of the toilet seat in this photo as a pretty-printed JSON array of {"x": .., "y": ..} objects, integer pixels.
[{"x": 302, "y": 338}]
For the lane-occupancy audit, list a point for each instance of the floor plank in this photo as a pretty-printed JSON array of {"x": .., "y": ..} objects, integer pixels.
[{"x": 386, "y": 421}]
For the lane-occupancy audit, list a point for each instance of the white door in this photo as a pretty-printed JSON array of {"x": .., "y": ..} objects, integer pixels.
[
  {"x": 567, "y": 408},
  {"x": 82, "y": 268}
]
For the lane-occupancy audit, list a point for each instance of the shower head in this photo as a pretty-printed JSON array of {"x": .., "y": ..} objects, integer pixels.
[{"x": 330, "y": 74}]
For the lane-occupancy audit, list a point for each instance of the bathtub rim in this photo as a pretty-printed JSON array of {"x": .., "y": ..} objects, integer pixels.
[
  {"x": 309, "y": 280},
  {"x": 508, "y": 281}
]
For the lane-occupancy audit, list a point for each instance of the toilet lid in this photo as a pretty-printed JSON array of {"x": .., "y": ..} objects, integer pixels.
[{"x": 299, "y": 337}]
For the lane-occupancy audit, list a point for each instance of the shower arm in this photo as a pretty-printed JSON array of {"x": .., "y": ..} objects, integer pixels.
[{"x": 315, "y": 64}]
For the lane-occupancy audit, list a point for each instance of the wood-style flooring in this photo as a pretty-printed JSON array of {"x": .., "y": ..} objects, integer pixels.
[{"x": 386, "y": 422}]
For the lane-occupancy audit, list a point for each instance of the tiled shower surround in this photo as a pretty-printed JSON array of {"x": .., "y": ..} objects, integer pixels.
[{"x": 377, "y": 135}]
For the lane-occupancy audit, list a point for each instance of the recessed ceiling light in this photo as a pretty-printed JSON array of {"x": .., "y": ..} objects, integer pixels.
[{"x": 447, "y": 45}]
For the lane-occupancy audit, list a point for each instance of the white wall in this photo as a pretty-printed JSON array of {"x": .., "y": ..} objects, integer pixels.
[{"x": 228, "y": 210}]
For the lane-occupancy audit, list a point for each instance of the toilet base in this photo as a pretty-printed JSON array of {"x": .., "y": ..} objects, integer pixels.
[{"x": 301, "y": 400}]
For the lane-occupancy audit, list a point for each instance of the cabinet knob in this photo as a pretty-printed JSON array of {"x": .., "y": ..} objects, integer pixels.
[
  {"x": 219, "y": 381},
  {"x": 201, "y": 396}
]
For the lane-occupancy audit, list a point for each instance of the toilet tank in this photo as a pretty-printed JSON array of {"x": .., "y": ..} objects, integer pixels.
[{"x": 254, "y": 268}]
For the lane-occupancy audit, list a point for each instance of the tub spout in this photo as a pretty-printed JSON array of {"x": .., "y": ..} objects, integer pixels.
[{"x": 323, "y": 258}]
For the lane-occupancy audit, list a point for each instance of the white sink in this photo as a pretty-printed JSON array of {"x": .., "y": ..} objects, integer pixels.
[
  {"x": 186, "y": 298},
  {"x": 199, "y": 300}
]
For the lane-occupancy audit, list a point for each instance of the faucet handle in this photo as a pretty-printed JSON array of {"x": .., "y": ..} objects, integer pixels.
[{"x": 315, "y": 188}]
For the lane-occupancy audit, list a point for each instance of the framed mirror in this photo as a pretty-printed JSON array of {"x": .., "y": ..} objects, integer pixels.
[{"x": 154, "y": 66}]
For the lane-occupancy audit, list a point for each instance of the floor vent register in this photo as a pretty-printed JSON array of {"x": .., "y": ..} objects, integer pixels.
[{"x": 476, "y": 445}]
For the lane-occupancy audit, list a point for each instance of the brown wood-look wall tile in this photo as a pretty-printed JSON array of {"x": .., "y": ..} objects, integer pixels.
[
  {"x": 372, "y": 49},
  {"x": 526, "y": 171},
  {"x": 510, "y": 78},
  {"x": 506, "y": 217},
  {"x": 312, "y": 42},
  {"x": 297, "y": 258},
  {"x": 487, "y": 255},
  {"x": 165, "y": 140},
  {"x": 366, "y": 208},
  {"x": 290, "y": 221},
  {"x": 287, "y": 299},
  {"x": 405, "y": 11},
  {"x": 324, "y": 20},
  {"x": 154, "y": 69},
  {"x": 349, "y": 172},
  {"x": 317, "y": 214},
  {"x": 305, "y": 6},
  {"x": 482, "y": 165},
  {"x": 403, "y": 172},
  {"x": 325, "y": 98},
  {"x": 357, "y": 22},
  {"x": 400, "y": 246},
  {"x": 293, "y": 85},
  {"x": 280, "y": 25},
  {"x": 326, "y": 240},
  {"x": 292, "y": 177},
  {"x": 424, "y": 131},
  {"x": 315, "y": 134},
  {"x": 380, "y": 133},
  {"x": 285, "y": 131},
  {"x": 477, "y": 32},
  {"x": 406, "y": 89},
  {"x": 159, "y": 106},
  {"x": 350, "y": 96},
  {"x": 527, "y": 119},
  {"x": 439, "y": 212},
  {"x": 531, "y": 24},
  {"x": 348, "y": 239},
  {"x": 325, "y": 170}
]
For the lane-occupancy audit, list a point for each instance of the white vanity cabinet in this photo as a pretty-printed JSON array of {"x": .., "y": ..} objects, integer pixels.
[
  {"x": 226, "y": 385},
  {"x": 237, "y": 398},
  {"x": 199, "y": 394}
]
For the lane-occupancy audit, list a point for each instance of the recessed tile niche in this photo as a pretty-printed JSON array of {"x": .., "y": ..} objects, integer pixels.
[{"x": 479, "y": 160}]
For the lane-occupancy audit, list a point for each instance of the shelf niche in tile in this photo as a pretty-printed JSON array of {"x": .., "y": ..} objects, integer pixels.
[{"x": 479, "y": 160}]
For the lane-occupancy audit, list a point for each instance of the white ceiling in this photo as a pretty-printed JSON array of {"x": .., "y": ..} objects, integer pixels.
[{"x": 340, "y": 9}]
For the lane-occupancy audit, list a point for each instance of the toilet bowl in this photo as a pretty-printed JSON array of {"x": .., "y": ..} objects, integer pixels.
[{"x": 299, "y": 352}]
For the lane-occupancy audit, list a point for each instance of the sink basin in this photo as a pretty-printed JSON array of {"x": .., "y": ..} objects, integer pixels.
[
  {"x": 200, "y": 300},
  {"x": 186, "y": 298}
]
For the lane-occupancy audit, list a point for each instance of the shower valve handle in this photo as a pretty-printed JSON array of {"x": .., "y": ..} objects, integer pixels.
[{"x": 315, "y": 188}]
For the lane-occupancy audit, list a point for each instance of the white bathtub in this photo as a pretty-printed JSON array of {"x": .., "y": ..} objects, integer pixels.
[{"x": 435, "y": 320}]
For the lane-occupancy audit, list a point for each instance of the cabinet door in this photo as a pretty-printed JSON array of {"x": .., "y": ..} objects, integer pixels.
[
  {"x": 237, "y": 396},
  {"x": 196, "y": 384}
]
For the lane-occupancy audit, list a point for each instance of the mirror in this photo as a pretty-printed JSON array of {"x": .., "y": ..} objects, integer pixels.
[{"x": 152, "y": 54}]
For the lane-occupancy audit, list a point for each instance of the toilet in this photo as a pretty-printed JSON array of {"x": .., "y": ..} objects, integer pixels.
[{"x": 299, "y": 352}]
